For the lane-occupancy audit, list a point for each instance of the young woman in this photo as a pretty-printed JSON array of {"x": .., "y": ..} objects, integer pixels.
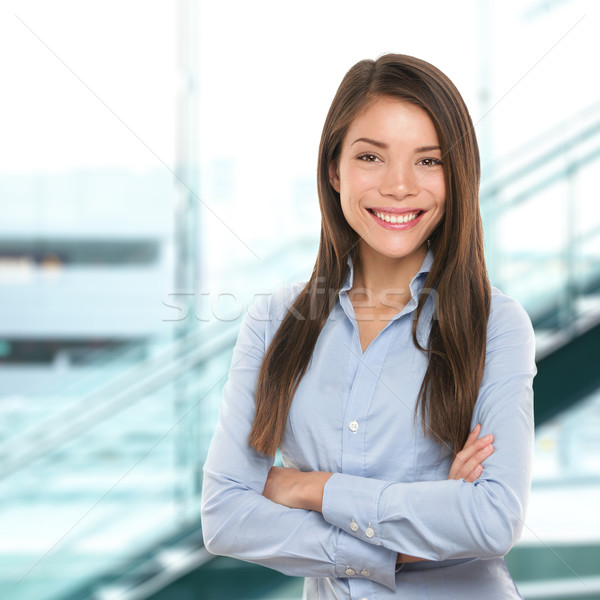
[{"x": 383, "y": 378}]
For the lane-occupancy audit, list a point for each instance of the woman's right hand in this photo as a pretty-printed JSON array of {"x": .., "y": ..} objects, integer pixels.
[{"x": 467, "y": 464}]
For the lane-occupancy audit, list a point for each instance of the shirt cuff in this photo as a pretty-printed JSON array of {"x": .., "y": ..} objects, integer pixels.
[
  {"x": 357, "y": 560},
  {"x": 352, "y": 504}
]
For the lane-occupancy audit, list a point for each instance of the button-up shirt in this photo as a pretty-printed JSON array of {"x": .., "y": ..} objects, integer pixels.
[{"x": 355, "y": 415}]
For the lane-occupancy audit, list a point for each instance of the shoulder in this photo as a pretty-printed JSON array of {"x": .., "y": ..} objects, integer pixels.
[
  {"x": 264, "y": 313},
  {"x": 269, "y": 308},
  {"x": 507, "y": 313},
  {"x": 274, "y": 304},
  {"x": 508, "y": 323}
]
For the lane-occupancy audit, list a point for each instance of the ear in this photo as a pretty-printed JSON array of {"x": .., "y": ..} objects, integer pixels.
[{"x": 334, "y": 177}]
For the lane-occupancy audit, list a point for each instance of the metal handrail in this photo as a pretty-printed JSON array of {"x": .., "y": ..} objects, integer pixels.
[
  {"x": 185, "y": 357},
  {"x": 556, "y": 175},
  {"x": 491, "y": 186},
  {"x": 175, "y": 360},
  {"x": 578, "y": 121},
  {"x": 47, "y": 435}
]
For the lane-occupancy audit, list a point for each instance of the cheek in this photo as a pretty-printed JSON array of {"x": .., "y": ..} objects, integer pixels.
[
  {"x": 437, "y": 189},
  {"x": 347, "y": 209},
  {"x": 440, "y": 210},
  {"x": 442, "y": 190},
  {"x": 351, "y": 208},
  {"x": 434, "y": 182},
  {"x": 442, "y": 199},
  {"x": 354, "y": 184},
  {"x": 441, "y": 205}
]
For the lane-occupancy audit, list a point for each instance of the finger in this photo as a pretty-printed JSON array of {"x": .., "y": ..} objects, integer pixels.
[
  {"x": 469, "y": 451},
  {"x": 464, "y": 465},
  {"x": 483, "y": 440},
  {"x": 472, "y": 436},
  {"x": 475, "y": 474},
  {"x": 474, "y": 433},
  {"x": 477, "y": 445},
  {"x": 476, "y": 460},
  {"x": 483, "y": 454}
]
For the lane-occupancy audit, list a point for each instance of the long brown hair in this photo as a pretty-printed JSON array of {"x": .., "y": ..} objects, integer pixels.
[{"x": 457, "y": 339}]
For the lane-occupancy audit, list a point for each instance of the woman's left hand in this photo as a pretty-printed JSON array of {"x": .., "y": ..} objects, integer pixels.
[
  {"x": 296, "y": 489},
  {"x": 304, "y": 490},
  {"x": 467, "y": 463}
]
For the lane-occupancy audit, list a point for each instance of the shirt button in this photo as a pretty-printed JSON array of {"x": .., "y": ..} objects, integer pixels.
[
  {"x": 365, "y": 572},
  {"x": 350, "y": 571},
  {"x": 353, "y": 426},
  {"x": 369, "y": 532},
  {"x": 353, "y": 525}
]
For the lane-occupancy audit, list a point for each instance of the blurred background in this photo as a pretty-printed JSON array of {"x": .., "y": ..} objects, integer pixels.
[{"x": 157, "y": 170}]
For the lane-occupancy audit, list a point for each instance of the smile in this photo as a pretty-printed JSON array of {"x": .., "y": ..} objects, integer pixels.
[
  {"x": 396, "y": 221},
  {"x": 391, "y": 218}
]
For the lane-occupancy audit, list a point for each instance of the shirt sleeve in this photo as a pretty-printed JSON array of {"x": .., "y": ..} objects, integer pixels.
[
  {"x": 440, "y": 520},
  {"x": 238, "y": 521}
]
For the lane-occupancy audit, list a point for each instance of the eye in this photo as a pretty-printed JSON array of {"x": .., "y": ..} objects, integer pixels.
[
  {"x": 430, "y": 162},
  {"x": 368, "y": 157}
]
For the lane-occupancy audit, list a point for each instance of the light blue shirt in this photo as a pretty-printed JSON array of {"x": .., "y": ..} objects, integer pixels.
[{"x": 354, "y": 415}]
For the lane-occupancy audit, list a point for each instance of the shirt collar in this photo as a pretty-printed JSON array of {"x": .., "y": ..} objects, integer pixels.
[{"x": 424, "y": 270}]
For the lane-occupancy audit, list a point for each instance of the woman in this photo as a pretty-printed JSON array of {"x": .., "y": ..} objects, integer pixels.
[{"x": 370, "y": 376}]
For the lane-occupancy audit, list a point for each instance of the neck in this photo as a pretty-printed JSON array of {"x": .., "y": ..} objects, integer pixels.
[{"x": 378, "y": 273}]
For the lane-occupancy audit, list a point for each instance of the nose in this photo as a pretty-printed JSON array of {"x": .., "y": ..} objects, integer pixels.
[{"x": 399, "y": 180}]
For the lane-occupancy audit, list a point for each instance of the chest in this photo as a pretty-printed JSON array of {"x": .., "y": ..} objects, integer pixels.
[
  {"x": 356, "y": 412},
  {"x": 369, "y": 326},
  {"x": 371, "y": 320}
]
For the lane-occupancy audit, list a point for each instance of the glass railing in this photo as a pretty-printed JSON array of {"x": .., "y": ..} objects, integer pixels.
[
  {"x": 559, "y": 553},
  {"x": 51, "y": 390},
  {"x": 543, "y": 235},
  {"x": 542, "y": 226},
  {"x": 106, "y": 478},
  {"x": 122, "y": 476},
  {"x": 115, "y": 474}
]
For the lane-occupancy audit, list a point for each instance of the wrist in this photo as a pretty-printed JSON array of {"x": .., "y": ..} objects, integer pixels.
[{"x": 312, "y": 490}]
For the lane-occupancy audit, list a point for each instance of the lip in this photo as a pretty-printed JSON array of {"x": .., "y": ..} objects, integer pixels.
[
  {"x": 397, "y": 226},
  {"x": 395, "y": 209}
]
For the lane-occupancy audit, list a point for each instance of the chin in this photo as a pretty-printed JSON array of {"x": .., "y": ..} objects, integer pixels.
[{"x": 397, "y": 250}]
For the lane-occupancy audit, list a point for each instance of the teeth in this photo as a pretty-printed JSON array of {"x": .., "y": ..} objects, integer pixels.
[{"x": 395, "y": 219}]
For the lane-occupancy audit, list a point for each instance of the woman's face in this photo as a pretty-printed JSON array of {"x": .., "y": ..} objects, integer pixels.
[{"x": 390, "y": 178}]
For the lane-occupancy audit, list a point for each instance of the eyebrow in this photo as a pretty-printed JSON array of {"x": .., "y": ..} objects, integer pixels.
[{"x": 382, "y": 145}]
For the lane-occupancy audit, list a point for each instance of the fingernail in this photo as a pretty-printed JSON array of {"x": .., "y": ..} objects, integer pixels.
[{"x": 488, "y": 437}]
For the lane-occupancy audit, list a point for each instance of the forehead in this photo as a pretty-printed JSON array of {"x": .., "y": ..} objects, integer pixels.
[{"x": 390, "y": 120}]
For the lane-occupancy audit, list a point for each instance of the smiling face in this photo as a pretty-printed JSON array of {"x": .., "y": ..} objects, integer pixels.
[{"x": 390, "y": 179}]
